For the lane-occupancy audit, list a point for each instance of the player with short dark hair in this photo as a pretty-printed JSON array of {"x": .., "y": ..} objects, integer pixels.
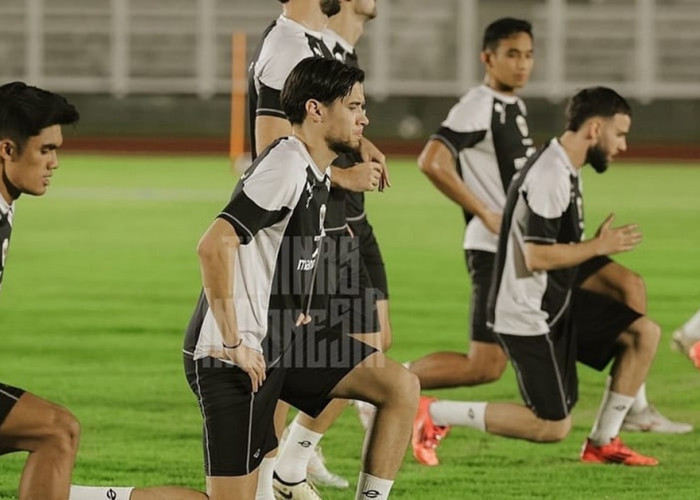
[
  {"x": 30, "y": 136},
  {"x": 259, "y": 260},
  {"x": 534, "y": 298}
]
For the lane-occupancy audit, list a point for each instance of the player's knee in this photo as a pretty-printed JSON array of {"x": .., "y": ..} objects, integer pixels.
[
  {"x": 386, "y": 337},
  {"x": 552, "y": 431},
  {"x": 405, "y": 389},
  {"x": 489, "y": 367},
  {"x": 634, "y": 291},
  {"x": 64, "y": 432}
]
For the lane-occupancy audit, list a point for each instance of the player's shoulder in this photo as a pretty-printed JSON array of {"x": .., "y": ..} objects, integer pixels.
[
  {"x": 548, "y": 180},
  {"x": 285, "y": 45},
  {"x": 472, "y": 112}
]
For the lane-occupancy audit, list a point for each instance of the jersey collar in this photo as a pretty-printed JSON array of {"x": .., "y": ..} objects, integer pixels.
[
  {"x": 331, "y": 37},
  {"x": 508, "y": 99},
  {"x": 299, "y": 27}
]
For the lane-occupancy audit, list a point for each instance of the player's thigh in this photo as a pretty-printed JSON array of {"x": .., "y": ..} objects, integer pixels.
[
  {"x": 545, "y": 368},
  {"x": 480, "y": 267},
  {"x": 32, "y": 420},
  {"x": 376, "y": 380},
  {"x": 600, "y": 323},
  {"x": 607, "y": 277},
  {"x": 487, "y": 357},
  {"x": 238, "y": 425},
  {"x": 315, "y": 364}
]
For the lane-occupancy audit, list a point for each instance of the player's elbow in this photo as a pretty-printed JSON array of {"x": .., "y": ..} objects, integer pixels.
[
  {"x": 206, "y": 248},
  {"x": 430, "y": 168}
]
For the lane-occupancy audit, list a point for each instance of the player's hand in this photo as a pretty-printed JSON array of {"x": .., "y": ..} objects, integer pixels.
[
  {"x": 250, "y": 361},
  {"x": 366, "y": 176},
  {"x": 492, "y": 221},
  {"x": 619, "y": 239},
  {"x": 370, "y": 153}
]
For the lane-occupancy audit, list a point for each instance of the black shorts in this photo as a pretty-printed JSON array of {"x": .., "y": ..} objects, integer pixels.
[
  {"x": 599, "y": 322},
  {"x": 545, "y": 367},
  {"x": 239, "y": 425},
  {"x": 8, "y": 398},
  {"x": 352, "y": 298},
  {"x": 371, "y": 256},
  {"x": 591, "y": 266},
  {"x": 480, "y": 267}
]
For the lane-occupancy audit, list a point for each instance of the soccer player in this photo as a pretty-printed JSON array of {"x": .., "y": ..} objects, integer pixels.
[
  {"x": 286, "y": 187},
  {"x": 343, "y": 31},
  {"x": 534, "y": 297},
  {"x": 296, "y": 34},
  {"x": 471, "y": 159},
  {"x": 30, "y": 136}
]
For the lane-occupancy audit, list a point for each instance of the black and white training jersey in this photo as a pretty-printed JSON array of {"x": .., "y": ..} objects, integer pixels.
[
  {"x": 544, "y": 206},
  {"x": 284, "y": 44},
  {"x": 6, "y": 215},
  {"x": 277, "y": 211},
  {"x": 488, "y": 135}
]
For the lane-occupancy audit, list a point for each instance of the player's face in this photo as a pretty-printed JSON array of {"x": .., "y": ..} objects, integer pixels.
[
  {"x": 31, "y": 171},
  {"x": 509, "y": 66},
  {"x": 612, "y": 140},
  {"x": 346, "y": 121},
  {"x": 330, "y": 7},
  {"x": 367, "y": 8}
]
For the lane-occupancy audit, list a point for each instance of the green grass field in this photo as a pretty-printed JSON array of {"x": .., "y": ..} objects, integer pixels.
[{"x": 102, "y": 277}]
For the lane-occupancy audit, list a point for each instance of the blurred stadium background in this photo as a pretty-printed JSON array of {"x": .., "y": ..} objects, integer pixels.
[{"x": 162, "y": 68}]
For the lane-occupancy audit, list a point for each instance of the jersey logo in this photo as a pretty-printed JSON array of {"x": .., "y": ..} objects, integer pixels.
[
  {"x": 501, "y": 110},
  {"x": 522, "y": 125}
]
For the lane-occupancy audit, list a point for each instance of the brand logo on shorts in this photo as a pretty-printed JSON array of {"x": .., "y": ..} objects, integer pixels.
[
  {"x": 371, "y": 494},
  {"x": 111, "y": 494},
  {"x": 257, "y": 453}
]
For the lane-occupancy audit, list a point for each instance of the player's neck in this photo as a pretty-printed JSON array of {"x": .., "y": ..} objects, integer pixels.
[
  {"x": 349, "y": 28},
  {"x": 574, "y": 147},
  {"x": 308, "y": 15},
  {"x": 498, "y": 87},
  {"x": 8, "y": 191},
  {"x": 316, "y": 146}
]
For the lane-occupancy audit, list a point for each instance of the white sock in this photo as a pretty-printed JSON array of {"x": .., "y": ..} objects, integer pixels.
[
  {"x": 294, "y": 456},
  {"x": 691, "y": 328},
  {"x": 460, "y": 413},
  {"x": 99, "y": 493},
  {"x": 265, "y": 472},
  {"x": 369, "y": 486},
  {"x": 640, "y": 400},
  {"x": 612, "y": 412}
]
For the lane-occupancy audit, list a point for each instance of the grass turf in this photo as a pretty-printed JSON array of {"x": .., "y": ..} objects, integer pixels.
[{"x": 102, "y": 277}]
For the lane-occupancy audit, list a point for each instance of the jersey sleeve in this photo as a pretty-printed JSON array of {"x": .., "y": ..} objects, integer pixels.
[
  {"x": 547, "y": 197},
  {"x": 263, "y": 199},
  {"x": 466, "y": 124}
]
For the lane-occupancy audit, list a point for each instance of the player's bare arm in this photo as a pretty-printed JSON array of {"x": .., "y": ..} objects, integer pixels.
[
  {"x": 268, "y": 129},
  {"x": 608, "y": 241},
  {"x": 216, "y": 250},
  {"x": 437, "y": 163}
]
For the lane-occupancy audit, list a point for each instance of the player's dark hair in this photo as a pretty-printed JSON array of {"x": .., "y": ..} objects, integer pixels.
[
  {"x": 283, "y": 1},
  {"x": 594, "y": 101},
  {"x": 504, "y": 28},
  {"x": 26, "y": 110},
  {"x": 324, "y": 80}
]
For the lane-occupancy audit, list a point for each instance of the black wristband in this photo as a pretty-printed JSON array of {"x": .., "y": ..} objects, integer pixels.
[{"x": 240, "y": 341}]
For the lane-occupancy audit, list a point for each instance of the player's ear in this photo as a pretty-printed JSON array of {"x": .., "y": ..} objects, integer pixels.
[
  {"x": 7, "y": 149},
  {"x": 314, "y": 110},
  {"x": 593, "y": 129},
  {"x": 486, "y": 57}
]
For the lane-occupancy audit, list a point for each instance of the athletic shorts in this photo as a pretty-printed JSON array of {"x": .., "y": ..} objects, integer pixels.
[
  {"x": 352, "y": 298},
  {"x": 8, "y": 398},
  {"x": 545, "y": 367},
  {"x": 480, "y": 267},
  {"x": 371, "y": 256},
  {"x": 238, "y": 426},
  {"x": 599, "y": 322},
  {"x": 591, "y": 266}
]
